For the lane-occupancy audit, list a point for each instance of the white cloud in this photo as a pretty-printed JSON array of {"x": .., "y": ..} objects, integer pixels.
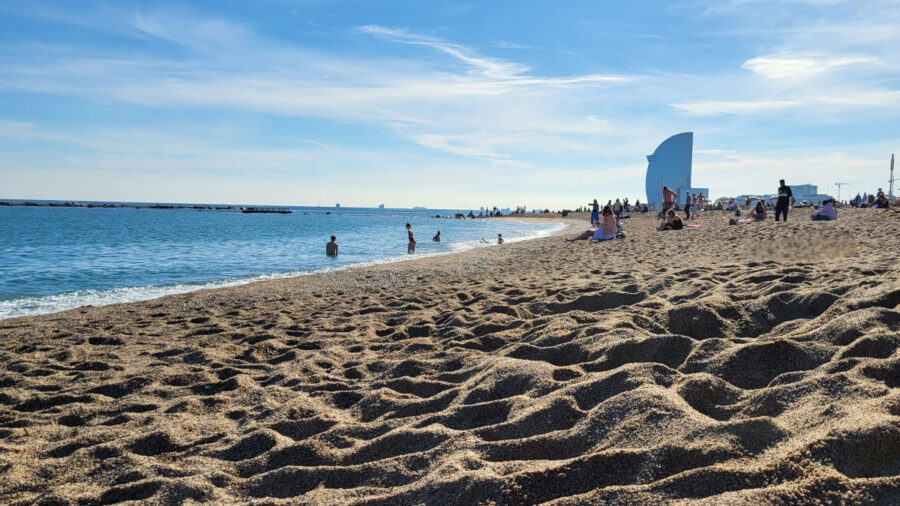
[
  {"x": 802, "y": 66},
  {"x": 490, "y": 66},
  {"x": 711, "y": 108}
]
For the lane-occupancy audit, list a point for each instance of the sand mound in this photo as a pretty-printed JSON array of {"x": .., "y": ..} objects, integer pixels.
[{"x": 680, "y": 366}]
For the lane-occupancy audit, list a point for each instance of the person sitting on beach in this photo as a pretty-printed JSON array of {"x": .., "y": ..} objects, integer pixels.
[
  {"x": 882, "y": 202},
  {"x": 608, "y": 227},
  {"x": 437, "y": 237},
  {"x": 411, "y": 247},
  {"x": 499, "y": 238},
  {"x": 758, "y": 213},
  {"x": 331, "y": 248},
  {"x": 827, "y": 213},
  {"x": 673, "y": 222}
]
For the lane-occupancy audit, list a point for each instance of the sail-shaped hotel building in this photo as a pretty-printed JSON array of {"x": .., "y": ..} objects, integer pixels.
[{"x": 670, "y": 165}]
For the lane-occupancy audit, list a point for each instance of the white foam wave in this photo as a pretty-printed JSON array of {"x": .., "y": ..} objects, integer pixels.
[{"x": 30, "y": 306}]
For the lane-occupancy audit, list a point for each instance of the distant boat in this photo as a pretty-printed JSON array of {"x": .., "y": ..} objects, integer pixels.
[
  {"x": 419, "y": 208},
  {"x": 380, "y": 206},
  {"x": 337, "y": 205}
]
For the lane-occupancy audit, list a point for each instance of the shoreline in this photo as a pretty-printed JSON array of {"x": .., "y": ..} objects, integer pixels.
[
  {"x": 154, "y": 292},
  {"x": 746, "y": 364}
]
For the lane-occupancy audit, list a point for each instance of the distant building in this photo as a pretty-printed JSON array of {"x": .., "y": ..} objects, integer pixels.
[
  {"x": 670, "y": 165},
  {"x": 804, "y": 189}
]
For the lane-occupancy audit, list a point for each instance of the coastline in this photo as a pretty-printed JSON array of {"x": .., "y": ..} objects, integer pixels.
[
  {"x": 754, "y": 363},
  {"x": 49, "y": 304}
]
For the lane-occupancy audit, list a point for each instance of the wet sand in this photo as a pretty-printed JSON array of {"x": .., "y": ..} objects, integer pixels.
[{"x": 746, "y": 364}]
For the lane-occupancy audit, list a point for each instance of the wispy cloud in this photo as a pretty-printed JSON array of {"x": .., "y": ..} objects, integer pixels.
[
  {"x": 427, "y": 106},
  {"x": 710, "y": 108},
  {"x": 503, "y": 44},
  {"x": 490, "y": 66},
  {"x": 798, "y": 66}
]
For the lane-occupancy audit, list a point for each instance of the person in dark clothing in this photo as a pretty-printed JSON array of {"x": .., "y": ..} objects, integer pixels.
[
  {"x": 785, "y": 196},
  {"x": 331, "y": 248},
  {"x": 688, "y": 202},
  {"x": 673, "y": 222},
  {"x": 411, "y": 246}
]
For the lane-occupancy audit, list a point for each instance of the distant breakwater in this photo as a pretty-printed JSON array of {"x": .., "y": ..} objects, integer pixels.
[{"x": 118, "y": 206}]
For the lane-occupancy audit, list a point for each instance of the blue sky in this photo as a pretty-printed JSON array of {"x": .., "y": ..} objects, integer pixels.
[{"x": 440, "y": 104}]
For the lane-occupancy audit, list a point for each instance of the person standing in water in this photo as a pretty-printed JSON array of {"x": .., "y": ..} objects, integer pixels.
[
  {"x": 437, "y": 237},
  {"x": 499, "y": 238},
  {"x": 331, "y": 248},
  {"x": 411, "y": 247},
  {"x": 784, "y": 200}
]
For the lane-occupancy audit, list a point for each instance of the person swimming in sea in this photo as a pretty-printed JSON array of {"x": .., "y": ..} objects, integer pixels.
[{"x": 437, "y": 237}]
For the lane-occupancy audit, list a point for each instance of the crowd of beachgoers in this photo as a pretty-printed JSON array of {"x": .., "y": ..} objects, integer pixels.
[{"x": 606, "y": 221}]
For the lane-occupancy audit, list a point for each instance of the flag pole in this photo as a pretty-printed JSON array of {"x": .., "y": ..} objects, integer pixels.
[{"x": 891, "y": 180}]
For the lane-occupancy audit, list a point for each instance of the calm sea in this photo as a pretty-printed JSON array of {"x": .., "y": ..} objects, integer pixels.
[{"x": 57, "y": 258}]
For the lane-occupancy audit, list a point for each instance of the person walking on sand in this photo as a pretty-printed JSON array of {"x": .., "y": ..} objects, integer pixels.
[
  {"x": 785, "y": 196},
  {"x": 437, "y": 237},
  {"x": 411, "y": 247},
  {"x": 687, "y": 205},
  {"x": 668, "y": 198},
  {"x": 595, "y": 212},
  {"x": 331, "y": 248}
]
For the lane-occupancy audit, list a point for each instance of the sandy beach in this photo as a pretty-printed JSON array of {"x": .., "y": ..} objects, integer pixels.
[{"x": 749, "y": 364}]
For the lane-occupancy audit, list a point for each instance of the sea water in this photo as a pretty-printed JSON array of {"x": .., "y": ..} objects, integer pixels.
[{"x": 57, "y": 258}]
